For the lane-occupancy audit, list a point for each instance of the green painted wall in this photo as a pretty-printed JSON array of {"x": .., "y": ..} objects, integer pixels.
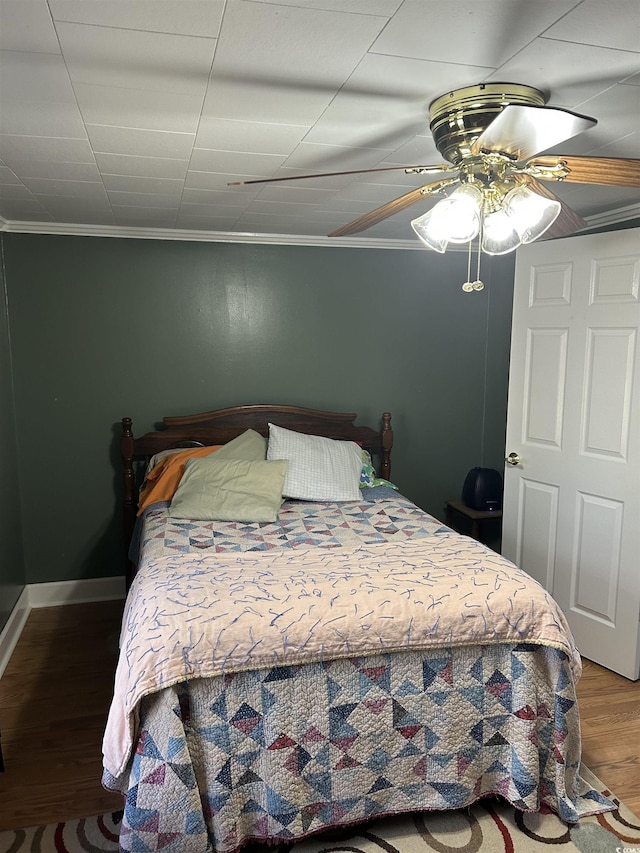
[
  {"x": 102, "y": 328},
  {"x": 12, "y": 573}
]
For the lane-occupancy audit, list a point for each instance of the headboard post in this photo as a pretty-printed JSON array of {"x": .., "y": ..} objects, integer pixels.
[
  {"x": 387, "y": 443},
  {"x": 129, "y": 482}
]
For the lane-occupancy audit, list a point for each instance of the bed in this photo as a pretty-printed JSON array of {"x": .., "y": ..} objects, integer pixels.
[{"x": 319, "y": 651}]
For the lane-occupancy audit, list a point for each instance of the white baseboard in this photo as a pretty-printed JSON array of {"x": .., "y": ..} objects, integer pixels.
[
  {"x": 12, "y": 630},
  {"x": 54, "y": 594},
  {"x": 75, "y": 592}
]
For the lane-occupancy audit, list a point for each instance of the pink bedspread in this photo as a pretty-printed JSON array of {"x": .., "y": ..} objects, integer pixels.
[{"x": 198, "y": 617}]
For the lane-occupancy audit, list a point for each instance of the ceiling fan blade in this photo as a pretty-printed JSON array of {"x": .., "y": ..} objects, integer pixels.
[
  {"x": 418, "y": 170},
  {"x": 521, "y": 131},
  {"x": 568, "y": 221},
  {"x": 610, "y": 171},
  {"x": 391, "y": 207}
]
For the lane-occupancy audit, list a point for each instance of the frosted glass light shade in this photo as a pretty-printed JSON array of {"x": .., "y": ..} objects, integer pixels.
[
  {"x": 455, "y": 219},
  {"x": 498, "y": 234},
  {"x": 530, "y": 213},
  {"x": 429, "y": 234}
]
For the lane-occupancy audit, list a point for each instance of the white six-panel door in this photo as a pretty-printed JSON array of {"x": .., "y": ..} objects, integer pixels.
[{"x": 572, "y": 504}]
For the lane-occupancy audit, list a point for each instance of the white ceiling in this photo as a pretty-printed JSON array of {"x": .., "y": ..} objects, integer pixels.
[{"x": 136, "y": 113}]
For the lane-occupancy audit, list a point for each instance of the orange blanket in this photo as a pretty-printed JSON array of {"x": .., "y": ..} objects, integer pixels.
[{"x": 161, "y": 483}]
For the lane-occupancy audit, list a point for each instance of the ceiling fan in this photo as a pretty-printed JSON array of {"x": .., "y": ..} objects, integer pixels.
[{"x": 490, "y": 136}]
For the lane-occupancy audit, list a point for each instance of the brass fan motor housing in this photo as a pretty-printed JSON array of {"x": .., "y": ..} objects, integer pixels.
[{"x": 459, "y": 117}]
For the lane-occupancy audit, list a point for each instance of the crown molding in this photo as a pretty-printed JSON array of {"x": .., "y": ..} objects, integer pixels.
[
  {"x": 598, "y": 220},
  {"x": 613, "y": 217},
  {"x": 73, "y": 229}
]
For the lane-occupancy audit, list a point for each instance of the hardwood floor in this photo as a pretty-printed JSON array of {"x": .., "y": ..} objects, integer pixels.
[
  {"x": 55, "y": 694},
  {"x": 54, "y": 699}
]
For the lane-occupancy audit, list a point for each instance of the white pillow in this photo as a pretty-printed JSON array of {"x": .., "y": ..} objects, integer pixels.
[{"x": 318, "y": 469}]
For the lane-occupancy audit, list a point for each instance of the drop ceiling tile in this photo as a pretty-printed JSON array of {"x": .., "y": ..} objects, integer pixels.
[
  {"x": 204, "y": 160},
  {"x": 242, "y": 98},
  {"x": 266, "y": 226},
  {"x": 194, "y": 209},
  {"x": 25, "y": 210},
  {"x": 602, "y": 199},
  {"x": 137, "y": 142},
  {"x": 371, "y": 7},
  {"x": 250, "y": 136},
  {"x": 137, "y": 184},
  {"x": 595, "y": 22},
  {"x": 185, "y": 17},
  {"x": 559, "y": 70},
  {"x": 35, "y": 77},
  {"x": 288, "y": 208},
  {"x": 19, "y": 148},
  {"x": 53, "y": 170},
  {"x": 17, "y": 190},
  {"x": 626, "y": 146},
  {"x": 139, "y": 109},
  {"x": 78, "y": 216},
  {"x": 321, "y": 214},
  {"x": 257, "y": 221},
  {"x": 27, "y": 26},
  {"x": 617, "y": 112},
  {"x": 75, "y": 209},
  {"x": 373, "y": 194},
  {"x": 148, "y": 217},
  {"x": 204, "y": 222},
  {"x": 215, "y": 198},
  {"x": 218, "y": 181},
  {"x": 467, "y": 32},
  {"x": 144, "y": 167},
  {"x": 69, "y": 189},
  {"x": 319, "y": 158},
  {"x": 346, "y": 205},
  {"x": 139, "y": 199},
  {"x": 8, "y": 176},
  {"x": 271, "y": 40},
  {"x": 285, "y": 192},
  {"x": 132, "y": 59},
  {"x": 260, "y": 44},
  {"x": 41, "y": 118},
  {"x": 419, "y": 151},
  {"x": 207, "y": 224}
]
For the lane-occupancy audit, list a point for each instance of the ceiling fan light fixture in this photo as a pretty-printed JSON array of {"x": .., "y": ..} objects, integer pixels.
[
  {"x": 455, "y": 219},
  {"x": 429, "y": 233},
  {"x": 498, "y": 234},
  {"x": 530, "y": 213}
]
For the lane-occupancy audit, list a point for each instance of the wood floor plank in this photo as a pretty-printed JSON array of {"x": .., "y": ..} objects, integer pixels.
[{"x": 56, "y": 691}]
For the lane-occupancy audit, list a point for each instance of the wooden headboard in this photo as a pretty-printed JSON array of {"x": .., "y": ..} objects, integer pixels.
[{"x": 222, "y": 425}]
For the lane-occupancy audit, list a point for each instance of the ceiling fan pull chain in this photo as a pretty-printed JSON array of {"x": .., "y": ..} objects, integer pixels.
[
  {"x": 477, "y": 284},
  {"x": 468, "y": 286}
]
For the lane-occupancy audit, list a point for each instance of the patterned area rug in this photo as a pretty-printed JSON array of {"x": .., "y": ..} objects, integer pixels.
[{"x": 489, "y": 827}]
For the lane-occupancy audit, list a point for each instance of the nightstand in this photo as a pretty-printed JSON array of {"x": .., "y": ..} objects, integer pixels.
[{"x": 478, "y": 521}]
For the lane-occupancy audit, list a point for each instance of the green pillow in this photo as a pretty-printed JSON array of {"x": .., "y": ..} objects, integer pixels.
[
  {"x": 214, "y": 489},
  {"x": 250, "y": 445}
]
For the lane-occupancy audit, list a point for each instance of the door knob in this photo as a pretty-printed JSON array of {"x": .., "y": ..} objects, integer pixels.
[{"x": 513, "y": 459}]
